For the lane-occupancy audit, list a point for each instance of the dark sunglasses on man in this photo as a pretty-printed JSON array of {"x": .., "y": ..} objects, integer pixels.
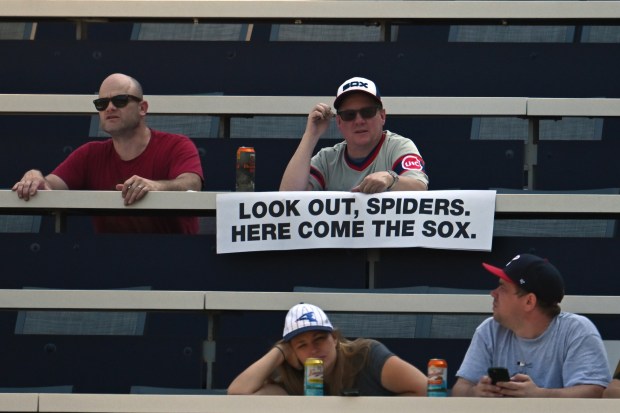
[
  {"x": 366, "y": 113},
  {"x": 119, "y": 101}
]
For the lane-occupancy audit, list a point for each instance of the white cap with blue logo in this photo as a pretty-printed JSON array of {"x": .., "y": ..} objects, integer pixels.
[{"x": 305, "y": 317}]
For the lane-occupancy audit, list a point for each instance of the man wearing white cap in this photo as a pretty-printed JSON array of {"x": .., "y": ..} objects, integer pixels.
[
  {"x": 370, "y": 160},
  {"x": 362, "y": 367},
  {"x": 548, "y": 353}
]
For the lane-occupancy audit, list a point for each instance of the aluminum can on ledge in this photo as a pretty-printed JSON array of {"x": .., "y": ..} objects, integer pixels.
[
  {"x": 313, "y": 377},
  {"x": 437, "y": 378},
  {"x": 246, "y": 168}
]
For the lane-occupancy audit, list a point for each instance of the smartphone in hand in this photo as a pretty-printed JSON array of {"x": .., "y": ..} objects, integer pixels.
[{"x": 498, "y": 374}]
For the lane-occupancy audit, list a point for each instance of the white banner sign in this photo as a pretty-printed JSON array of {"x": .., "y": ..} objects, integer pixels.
[{"x": 259, "y": 221}]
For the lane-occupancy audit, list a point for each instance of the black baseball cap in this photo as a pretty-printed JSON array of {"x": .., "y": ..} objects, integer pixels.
[{"x": 533, "y": 274}]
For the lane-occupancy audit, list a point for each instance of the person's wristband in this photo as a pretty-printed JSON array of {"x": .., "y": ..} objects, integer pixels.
[
  {"x": 394, "y": 176},
  {"x": 281, "y": 351}
]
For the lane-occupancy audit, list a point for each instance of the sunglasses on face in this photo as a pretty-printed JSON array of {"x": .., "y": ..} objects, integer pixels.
[
  {"x": 119, "y": 101},
  {"x": 366, "y": 113}
]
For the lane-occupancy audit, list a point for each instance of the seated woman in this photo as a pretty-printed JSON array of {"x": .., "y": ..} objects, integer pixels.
[{"x": 363, "y": 366}]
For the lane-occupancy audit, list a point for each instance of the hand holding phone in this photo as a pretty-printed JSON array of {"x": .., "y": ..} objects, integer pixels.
[{"x": 498, "y": 374}]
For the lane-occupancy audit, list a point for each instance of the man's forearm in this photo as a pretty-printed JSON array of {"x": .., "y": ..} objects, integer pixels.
[{"x": 184, "y": 182}]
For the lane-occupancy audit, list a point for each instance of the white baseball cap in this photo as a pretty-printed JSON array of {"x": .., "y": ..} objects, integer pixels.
[
  {"x": 305, "y": 317},
  {"x": 357, "y": 84}
]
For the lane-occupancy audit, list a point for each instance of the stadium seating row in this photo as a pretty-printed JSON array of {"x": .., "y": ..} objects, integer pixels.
[
  {"x": 432, "y": 51},
  {"x": 313, "y": 9},
  {"x": 408, "y": 306},
  {"x": 86, "y": 403}
]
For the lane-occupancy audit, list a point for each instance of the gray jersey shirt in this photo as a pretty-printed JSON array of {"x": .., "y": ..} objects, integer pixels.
[
  {"x": 333, "y": 170},
  {"x": 570, "y": 352}
]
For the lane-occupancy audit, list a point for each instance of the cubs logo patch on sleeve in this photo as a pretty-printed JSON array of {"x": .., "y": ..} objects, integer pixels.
[{"x": 412, "y": 163}]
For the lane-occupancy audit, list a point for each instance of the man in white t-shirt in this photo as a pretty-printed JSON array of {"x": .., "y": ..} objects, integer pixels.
[{"x": 548, "y": 353}]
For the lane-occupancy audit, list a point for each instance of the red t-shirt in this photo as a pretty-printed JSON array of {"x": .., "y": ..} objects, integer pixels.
[{"x": 96, "y": 166}]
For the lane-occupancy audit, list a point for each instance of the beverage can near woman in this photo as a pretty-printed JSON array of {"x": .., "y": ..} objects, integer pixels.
[{"x": 313, "y": 377}]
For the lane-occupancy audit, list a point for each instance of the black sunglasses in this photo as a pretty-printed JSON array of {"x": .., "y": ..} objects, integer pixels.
[
  {"x": 119, "y": 101},
  {"x": 366, "y": 113}
]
